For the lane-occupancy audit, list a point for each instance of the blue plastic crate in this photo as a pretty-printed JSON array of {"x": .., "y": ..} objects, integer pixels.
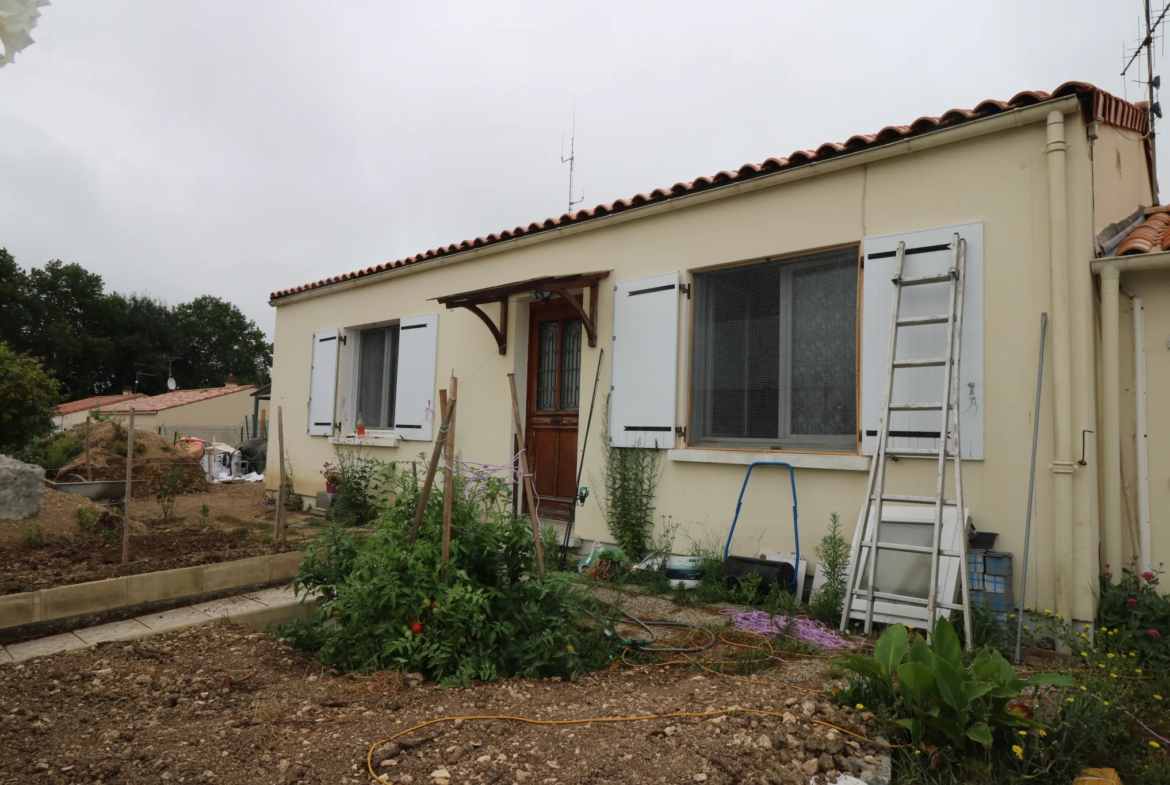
[{"x": 997, "y": 563}]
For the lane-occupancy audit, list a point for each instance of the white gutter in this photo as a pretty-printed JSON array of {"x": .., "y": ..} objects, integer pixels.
[
  {"x": 1141, "y": 445},
  {"x": 973, "y": 129},
  {"x": 1110, "y": 270},
  {"x": 1111, "y": 419},
  {"x": 1062, "y": 464}
]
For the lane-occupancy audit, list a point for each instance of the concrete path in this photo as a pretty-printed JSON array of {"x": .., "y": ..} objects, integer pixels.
[{"x": 258, "y": 610}]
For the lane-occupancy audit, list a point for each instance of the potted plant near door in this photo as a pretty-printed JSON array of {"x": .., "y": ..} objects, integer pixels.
[{"x": 332, "y": 477}]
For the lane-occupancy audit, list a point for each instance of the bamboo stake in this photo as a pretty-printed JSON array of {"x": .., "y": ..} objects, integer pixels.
[
  {"x": 430, "y": 479},
  {"x": 278, "y": 534},
  {"x": 529, "y": 490},
  {"x": 448, "y": 401},
  {"x": 88, "y": 465},
  {"x": 129, "y": 490}
]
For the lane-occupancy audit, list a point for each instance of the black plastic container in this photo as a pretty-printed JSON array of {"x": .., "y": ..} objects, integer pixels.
[
  {"x": 981, "y": 541},
  {"x": 770, "y": 572}
]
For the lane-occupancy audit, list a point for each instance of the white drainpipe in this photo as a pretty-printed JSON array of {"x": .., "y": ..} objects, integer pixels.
[
  {"x": 1111, "y": 419},
  {"x": 1141, "y": 443},
  {"x": 1062, "y": 464}
]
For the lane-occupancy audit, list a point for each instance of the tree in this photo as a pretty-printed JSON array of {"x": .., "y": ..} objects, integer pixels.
[
  {"x": 28, "y": 397},
  {"x": 215, "y": 339}
]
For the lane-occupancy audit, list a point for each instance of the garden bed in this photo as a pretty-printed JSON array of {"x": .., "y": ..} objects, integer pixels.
[{"x": 221, "y": 704}]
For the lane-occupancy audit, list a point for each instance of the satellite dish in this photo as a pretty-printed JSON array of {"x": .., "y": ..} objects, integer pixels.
[{"x": 171, "y": 384}]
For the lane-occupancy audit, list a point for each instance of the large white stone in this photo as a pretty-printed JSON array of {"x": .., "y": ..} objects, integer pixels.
[{"x": 22, "y": 489}]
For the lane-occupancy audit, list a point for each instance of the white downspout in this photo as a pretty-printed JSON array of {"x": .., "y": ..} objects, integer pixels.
[
  {"x": 1141, "y": 445},
  {"x": 1062, "y": 464},
  {"x": 1110, "y": 440}
]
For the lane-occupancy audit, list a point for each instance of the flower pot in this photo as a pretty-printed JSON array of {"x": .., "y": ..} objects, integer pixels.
[{"x": 330, "y": 487}]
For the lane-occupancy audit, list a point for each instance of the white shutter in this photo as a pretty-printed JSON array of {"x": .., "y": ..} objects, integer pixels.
[
  {"x": 644, "y": 362},
  {"x": 922, "y": 385},
  {"x": 414, "y": 397},
  {"x": 323, "y": 382}
]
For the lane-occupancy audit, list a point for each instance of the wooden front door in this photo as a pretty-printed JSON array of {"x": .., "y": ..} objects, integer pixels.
[{"x": 554, "y": 399}]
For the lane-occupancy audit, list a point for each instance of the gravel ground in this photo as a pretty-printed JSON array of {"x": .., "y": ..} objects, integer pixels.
[{"x": 221, "y": 704}]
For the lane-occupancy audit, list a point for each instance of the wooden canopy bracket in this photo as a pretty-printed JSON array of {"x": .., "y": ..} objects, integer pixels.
[
  {"x": 499, "y": 333},
  {"x": 589, "y": 320}
]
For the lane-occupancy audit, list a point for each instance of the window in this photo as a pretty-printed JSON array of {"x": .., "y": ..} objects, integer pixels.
[
  {"x": 775, "y": 354},
  {"x": 377, "y": 376},
  {"x": 558, "y": 366}
]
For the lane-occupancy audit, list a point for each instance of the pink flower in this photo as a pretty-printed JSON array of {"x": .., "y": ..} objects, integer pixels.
[
  {"x": 1147, "y": 575},
  {"x": 1131, "y": 602},
  {"x": 1153, "y": 633}
]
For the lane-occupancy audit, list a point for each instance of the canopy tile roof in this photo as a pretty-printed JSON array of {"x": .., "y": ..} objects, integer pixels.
[
  {"x": 1096, "y": 103},
  {"x": 157, "y": 403},
  {"x": 86, "y": 404}
]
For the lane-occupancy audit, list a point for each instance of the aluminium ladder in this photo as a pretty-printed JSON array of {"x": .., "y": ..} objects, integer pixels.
[{"x": 869, "y": 541}]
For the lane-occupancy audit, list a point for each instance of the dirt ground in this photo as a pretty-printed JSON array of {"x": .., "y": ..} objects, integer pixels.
[
  {"x": 223, "y": 705},
  {"x": 151, "y": 452},
  {"x": 238, "y": 525}
]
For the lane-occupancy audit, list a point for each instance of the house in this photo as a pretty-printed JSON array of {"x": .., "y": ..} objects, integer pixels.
[
  {"x": 744, "y": 317},
  {"x": 209, "y": 413},
  {"x": 75, "y": 413}
]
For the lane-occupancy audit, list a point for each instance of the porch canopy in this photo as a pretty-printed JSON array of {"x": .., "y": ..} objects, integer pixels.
[{"x": 558, "y": 285}]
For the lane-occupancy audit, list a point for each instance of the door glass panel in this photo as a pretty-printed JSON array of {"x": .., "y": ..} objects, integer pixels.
[
  {"x": 571, "y": 366},
  {"x": 546, "y": 366}
]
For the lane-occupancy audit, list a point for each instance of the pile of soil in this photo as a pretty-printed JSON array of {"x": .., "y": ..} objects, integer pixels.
[
  {"x": 58, "y": 518},
  {"x": 94, "y": 557},
  {"x": 152, "y": 455},
  {"x": 222, "y": 705}
]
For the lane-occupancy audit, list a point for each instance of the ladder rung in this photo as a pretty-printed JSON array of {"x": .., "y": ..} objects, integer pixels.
[
  {"x": 919, "y": 280},
  {"x": 916, "y": 407},
  {"x": 914, "y": 321},
  {"x": 897, "y": 546},
  {"x": 902, "y": 598},
  {"x": 908, "y": 452},
  {"x": 889, "y": 497},
  {"x": 924, "y": 363}
]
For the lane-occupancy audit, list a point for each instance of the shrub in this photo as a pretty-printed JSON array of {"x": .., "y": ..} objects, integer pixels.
[
  {"x": 32, "y": 535},
  {"x": 629, "y": 477},
  {"x": 168, "y": 483},
  {"x": 929, "y": 691},
  {"x": 833, "y": 552},
  {"x": 353, "y": 505},
  {"x": 88, "y": 518},
  {"x": 1135, "y": 606},
  {"x": 385, "y": 605},
  {"x": 28, "y": 399}
]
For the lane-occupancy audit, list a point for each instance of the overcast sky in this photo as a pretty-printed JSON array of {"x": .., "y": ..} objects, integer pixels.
[{"x": 235, "y": 148}]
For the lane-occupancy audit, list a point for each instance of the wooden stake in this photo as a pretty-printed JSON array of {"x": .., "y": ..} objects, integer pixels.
[
  {"x": 278, "y": 534},
  {"x": 445, "y": 401},
  {"x": 88, "y": 465},
  {"x": 430, "y": 479},
  {"x": 129, "y": 490},
  {"x": 529, "y": 490}
]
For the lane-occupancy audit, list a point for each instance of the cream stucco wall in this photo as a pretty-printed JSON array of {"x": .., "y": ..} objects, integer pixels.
[
  {"x": 225, "y": 412},
  {"x": 999, "y": 179}
]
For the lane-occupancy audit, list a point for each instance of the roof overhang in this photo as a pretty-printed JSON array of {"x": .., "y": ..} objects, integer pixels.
[
  {"x": 1134, "y": 263},
  {"x": 560, "y": 285},
  {"x": 970, "y": 129}
]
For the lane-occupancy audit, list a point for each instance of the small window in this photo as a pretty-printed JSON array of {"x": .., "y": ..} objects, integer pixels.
[
  {"x": 775, "y": 354},
  {"x": 377, "y": 376}
]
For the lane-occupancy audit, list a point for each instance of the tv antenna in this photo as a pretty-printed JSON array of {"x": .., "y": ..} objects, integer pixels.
[
  {"x": 572, "y": 159},
  {"x": 138, "y": 374},
  {"x": 1152, "y": 82},
  {"x": 172, "y": 385}
]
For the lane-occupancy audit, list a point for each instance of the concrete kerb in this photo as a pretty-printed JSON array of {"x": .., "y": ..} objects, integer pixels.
[{"x": 65, "y": 602}]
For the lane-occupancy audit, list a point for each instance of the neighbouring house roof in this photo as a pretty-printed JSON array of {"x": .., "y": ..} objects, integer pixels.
[
  {"x": 157, "y": 403},
  {"x": 1097, "y": 105},
  {"x": 86, "y": 404},
  {"x": 1151, "y": 236}
]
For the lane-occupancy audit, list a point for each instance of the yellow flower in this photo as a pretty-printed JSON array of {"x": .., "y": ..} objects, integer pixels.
[
  {"x": 1043, "y": 732},
  {"x": 917, "y": 752},
  {"x": 1110, "y": 655},
  {"x": 1133, "y": 654},
  {"x": 1086, "y": 626},
  {"x": 1084, "y": 654},
  {"x": 1023, "y": 733},
  {"x": 1101, "y": 665},
  {"x": 1058, "y": 616},
  {"x": 1070, "y": 700},
  {"x": 1048, "y": 611},
  {"x": 1104, "y": 703},
  {"x": 1155, "y": 744},
  {"x": 1026, "y": 626},
  {"x": 1083, "y": 687},
  {"x": 1157, "y": 697},
  {"x": 1027, "y": 607},
  {"x": 861, "y": 705},
  {"x": 1114, "y": 675},
  {"x": 1016, "y": 748},
  {"x": 1137, "y": 670},
  {"x": 1012, "y": 616}
]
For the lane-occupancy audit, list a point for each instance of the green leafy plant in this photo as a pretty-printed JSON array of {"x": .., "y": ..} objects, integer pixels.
[
  {"x": 625, "y": 493},
  {"x": 385, "y": 604},
  {"x": 1135, "y": 605},
  {"x": 832, "y": 551},
  {"x": 168, "y": 483},
  {"x": 204, "y": 515},
  {"x": 355, "y": 473},
  {"x": 32, "y": 535},
  {"x": 929, "y": 691},
  {"x": 292, "y": 500},
  {"x": 28, "y": 397},
  {"x": 88, "y": 518}
]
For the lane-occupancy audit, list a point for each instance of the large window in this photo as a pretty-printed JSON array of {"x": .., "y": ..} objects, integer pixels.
[
  {"x": 775, "y": 354},
  {"x": 377, "y": 372}
]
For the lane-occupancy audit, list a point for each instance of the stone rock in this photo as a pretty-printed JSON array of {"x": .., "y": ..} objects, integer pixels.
[
  {"x": 834, "y": 742},
  {"x": 764, "y": 742},
  {"x": 484, "y": 759},
  {"x": 440, "y": 774},
  {"x": 700, "y": 777},
  {"x": 788, "y": 718},
  {"x": 22, "y": 489},
  {"x": 826, "y": 761},
  {"x": 808, "y": 708},
  {"x": 811, "y": 766}
]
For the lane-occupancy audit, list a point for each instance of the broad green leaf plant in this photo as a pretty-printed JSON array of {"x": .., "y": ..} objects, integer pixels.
[{"x": 927, "y": 688}]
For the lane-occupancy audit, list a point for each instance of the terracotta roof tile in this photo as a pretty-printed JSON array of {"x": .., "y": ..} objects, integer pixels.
[
  {"x": 86, "y": 404},
  {"x": 1097, "y": 104},
  {"x": 170, "y": 400}
]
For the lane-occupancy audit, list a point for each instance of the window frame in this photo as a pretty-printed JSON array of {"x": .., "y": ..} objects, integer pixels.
[
  {"x": 350, "y": 379},
  {"x": 850, "y": 444},
  {"x": 389, "y": 374}
]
